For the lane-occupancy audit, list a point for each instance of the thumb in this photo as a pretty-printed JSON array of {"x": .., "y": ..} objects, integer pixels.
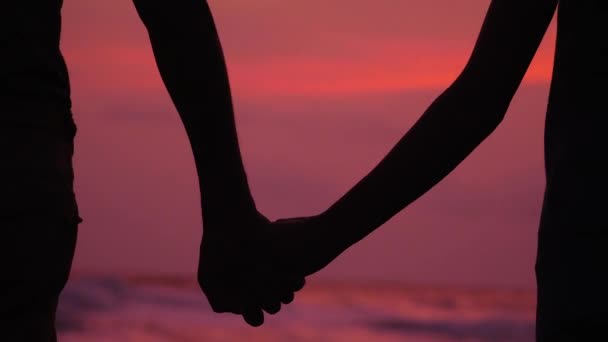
[{"x": 291, "y": 220}]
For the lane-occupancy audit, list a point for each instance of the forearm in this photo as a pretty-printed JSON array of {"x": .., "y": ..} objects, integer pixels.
[
  {"x": 452, "y": 127},
  {"x": 455, "y": 124},
  {"x": 189, "y": 57}
]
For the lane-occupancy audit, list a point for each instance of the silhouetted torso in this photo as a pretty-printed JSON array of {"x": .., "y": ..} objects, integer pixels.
[
  {"x": 34, "y": 84},
  {"x": 573, "y": 234},
  {"x": 576, "y": 138},
  {"x": 36, "y": 126}
]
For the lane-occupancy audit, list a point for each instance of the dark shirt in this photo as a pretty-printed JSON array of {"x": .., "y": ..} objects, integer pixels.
[
  {"x": 34, "y": 83},
  {"x": 576, "y": 138},
  {"x": 36, "y": 127},
  {"x": 573, "y": 236}
]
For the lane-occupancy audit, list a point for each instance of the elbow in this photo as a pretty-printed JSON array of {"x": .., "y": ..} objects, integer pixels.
[
  {"x": 486, "y": 101},
  {"x": 485, "y": 119},
  {"x": 490, "y": 117}
]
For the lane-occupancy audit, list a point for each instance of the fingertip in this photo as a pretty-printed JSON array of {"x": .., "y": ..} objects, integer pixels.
[
  {"x": 298, "y": 284},
  {"x": 254, "y": 317},
  {"x": 287, "y": 298},
  {"x": 272, "y": 308}
]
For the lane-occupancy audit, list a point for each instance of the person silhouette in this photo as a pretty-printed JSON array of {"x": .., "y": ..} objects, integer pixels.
[
  {"x": 572, "y": 256},
  {"x": 39, "y": 213}
]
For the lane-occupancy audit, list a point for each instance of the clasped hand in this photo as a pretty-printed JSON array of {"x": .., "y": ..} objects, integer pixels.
[{"x": 249, "y": 265}]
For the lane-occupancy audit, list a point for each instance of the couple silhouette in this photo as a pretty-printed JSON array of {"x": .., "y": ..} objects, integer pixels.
[{"x": 250, "y": 266}]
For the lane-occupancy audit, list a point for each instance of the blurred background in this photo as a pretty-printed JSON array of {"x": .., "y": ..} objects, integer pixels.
[{"x": 322, "y": 91}]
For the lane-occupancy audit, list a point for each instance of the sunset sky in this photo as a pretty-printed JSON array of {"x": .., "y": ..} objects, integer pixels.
[{"x": 322, "y": 90}]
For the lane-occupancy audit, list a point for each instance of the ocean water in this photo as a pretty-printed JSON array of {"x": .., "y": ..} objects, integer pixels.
[{"x": 173, "y": 309}]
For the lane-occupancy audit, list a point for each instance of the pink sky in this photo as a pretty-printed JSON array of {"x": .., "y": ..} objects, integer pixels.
[{"x": 322, "y": 89}]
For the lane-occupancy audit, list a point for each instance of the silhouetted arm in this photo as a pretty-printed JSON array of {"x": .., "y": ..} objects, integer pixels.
[
  {"x": 234, "y": 272},
  {"x": 453, "y": 126},
  {"x": 190, "y": 60}
]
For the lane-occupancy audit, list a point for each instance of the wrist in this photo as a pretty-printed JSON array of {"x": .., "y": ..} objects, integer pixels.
[
  {"x": 232, "y": 221},
  {"x": 335, "y": 230},
  {"x": 223, "y": 199},
  {"x": 349, "y": 224}
]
